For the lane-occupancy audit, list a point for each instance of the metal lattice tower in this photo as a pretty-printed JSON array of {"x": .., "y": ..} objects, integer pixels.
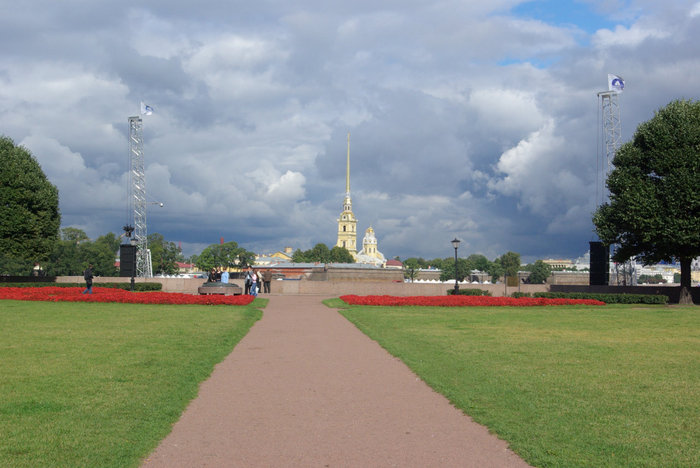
[
  {"x": 612, "y": 132},
  {"x": 137, "y": 197},
  {"x": 625, "y": 273}
]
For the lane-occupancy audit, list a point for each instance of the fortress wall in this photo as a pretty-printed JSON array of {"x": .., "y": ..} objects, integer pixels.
[{"x": 330, "y": 288}]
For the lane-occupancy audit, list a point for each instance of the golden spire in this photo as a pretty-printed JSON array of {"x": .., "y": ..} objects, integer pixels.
[{"x": 347, "y": 174}]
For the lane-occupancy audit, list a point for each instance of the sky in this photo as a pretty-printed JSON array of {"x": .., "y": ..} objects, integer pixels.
[{"x": 468, "y": 119}]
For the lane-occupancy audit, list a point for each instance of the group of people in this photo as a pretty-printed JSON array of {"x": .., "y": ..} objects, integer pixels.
[
  {"x": 254, "y": 280},
  {"x": 217, "y": 275}
]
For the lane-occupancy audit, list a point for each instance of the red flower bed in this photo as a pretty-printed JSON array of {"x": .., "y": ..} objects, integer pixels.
[
  {"x": 56, "y": 294},
  {"x": 462, "y": 301}
]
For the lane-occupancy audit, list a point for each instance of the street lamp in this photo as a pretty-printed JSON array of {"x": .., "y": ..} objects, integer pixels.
[{"x": 455, "y": 244}]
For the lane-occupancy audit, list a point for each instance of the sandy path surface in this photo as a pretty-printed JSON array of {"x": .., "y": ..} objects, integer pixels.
[{"x": 305, "y": 388}]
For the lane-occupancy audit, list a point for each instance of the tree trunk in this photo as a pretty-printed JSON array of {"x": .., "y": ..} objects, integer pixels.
[{"x": 685, "y": 297}]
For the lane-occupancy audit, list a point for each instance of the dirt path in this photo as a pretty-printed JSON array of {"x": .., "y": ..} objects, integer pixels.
[{"x": 305, "y": 388}]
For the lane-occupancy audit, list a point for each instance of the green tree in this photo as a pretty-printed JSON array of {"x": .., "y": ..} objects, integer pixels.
[
  {"x": 495, "y": 270},
  {"x": 448, "y": 270},
  {"x": 539, "y": 272},
  {"x": 29, "y": 215},
  {"x": 319, "y": 253},
  {"x": 164, "y": 255},
  {"x": 74, "y": 251},
  {"x": 65, "y": 259},
  {"x": 101, "y": 254},
  {"x": 510, "y": 261},
  {"x": 411, "y": 267},
  {"x": 419, "y": 262},
  {"x": 74, "y": 235},
  {"x": 341, "y": 255},
  {"x": 479, "y": 262},
  {"x": 298, "y": 256},
  {"x": 228, "y": 254},
  {"x": 654, "y": 207},
  {"x": 439, "y": 263},
  {"x": 649, "y": 279}
]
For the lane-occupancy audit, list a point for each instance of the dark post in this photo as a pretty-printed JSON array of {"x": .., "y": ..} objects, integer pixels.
[
  {"x": 600, "y": 264},
  {"x": 455, "y": 244}
]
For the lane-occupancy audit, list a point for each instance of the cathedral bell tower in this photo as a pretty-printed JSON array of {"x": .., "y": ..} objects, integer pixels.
[{"x": 347, "y": 223}]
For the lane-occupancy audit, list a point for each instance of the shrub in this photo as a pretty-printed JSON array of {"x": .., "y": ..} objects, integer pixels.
[
  {"x": 517, "y": 294},
  {"x": 609, "y": 298},
  {"x": 470, "y": 292}
]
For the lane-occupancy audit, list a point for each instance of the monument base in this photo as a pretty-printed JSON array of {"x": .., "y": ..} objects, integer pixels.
[{"x": 227, "y": 289}]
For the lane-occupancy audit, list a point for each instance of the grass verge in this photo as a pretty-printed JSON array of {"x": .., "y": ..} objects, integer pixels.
[
  {"x": 88, "y": 384},
  {"x": 571, "y": 386}
]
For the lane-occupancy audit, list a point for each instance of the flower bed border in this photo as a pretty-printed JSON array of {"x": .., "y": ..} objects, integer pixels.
[{"x": 61, "y": 294}]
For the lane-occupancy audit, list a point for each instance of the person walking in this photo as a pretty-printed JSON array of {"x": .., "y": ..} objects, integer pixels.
[
  {"x": 87, "y": 274},
  {"x": 267, "y": 277}
]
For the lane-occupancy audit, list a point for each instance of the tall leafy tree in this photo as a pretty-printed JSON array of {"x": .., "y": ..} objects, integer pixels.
[
  {"x": 448, "y": 269},
  {"x": 228, "y": 254},
  {"x": 479, "y": 262},
  {"x": 341, "y": 255},
  {"x": 65, "y": 259},
  {"x": 539, "y": 272},
  {"x": 101, "y": 253},
  {"x": 654, "y": 207},
  {"x": 164, "y": 254},
  {"x": 29, "y": 214},
  {"x": 321, "y": 254},
  {"x": 495, "y": 270},
  {"x": 411, "y": 267},
  {"x": 74, "y": 251},
  {"x": 510, "y": 261},
  {"x": 416, "y": 262}
]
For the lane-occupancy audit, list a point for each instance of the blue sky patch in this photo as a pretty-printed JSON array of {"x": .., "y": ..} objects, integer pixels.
[{"x": 564, "y": 13}]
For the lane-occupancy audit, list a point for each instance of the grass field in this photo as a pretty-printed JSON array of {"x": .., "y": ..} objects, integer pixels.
[
  {"x": 99, "y": 385},
  {"x": 571, "y": 386}
]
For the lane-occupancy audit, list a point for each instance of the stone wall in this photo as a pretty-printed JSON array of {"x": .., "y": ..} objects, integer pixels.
[
  {"x": 334, "y": 288},
  {"x": 329, "y": 288},
  {"x": 569, "y": 277}
]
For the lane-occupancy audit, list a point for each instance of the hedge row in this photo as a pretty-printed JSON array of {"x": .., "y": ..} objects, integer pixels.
[
  {"x": 469, "y": 292},
  {"x": 138, "y": 287},
  {"x": 607, "y": 298}
]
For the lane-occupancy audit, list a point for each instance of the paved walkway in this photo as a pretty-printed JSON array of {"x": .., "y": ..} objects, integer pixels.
[{"x": 305, "y": 388}]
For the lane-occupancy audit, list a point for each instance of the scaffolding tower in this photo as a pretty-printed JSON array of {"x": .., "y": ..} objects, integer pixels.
[
  {"x": 612, "y": 134},
  {"x": 624, "y": 273},
  {"x": 137, "y": 198}
]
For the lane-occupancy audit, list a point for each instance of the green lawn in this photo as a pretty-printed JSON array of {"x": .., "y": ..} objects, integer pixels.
[
  {"x": 565, "y": 386},
  {"x": 86, "y": 384}
]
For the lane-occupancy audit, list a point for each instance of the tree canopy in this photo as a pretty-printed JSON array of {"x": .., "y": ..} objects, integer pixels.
[
  {"x": 510, "y": 262},
  {"x": 29, "y": 214},
  {"x": 164, "y": 255},
  {"x": 539, "y": 272},
  {"x": 654, "y": 207},
  {"x": 228, "y": 254},
  {"x": 321, "y": 254},
  {"x": 74, "y": 251},
  {"x": 464, "y": 268}
]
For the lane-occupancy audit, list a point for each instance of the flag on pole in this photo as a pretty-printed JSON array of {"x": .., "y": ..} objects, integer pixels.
[
  {"x": 146, "y": 109},
  {"x": 615, "y": 83}
]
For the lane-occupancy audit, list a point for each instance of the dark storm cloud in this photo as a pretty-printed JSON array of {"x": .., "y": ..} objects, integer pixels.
[{"x": 467, "y": 119}]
